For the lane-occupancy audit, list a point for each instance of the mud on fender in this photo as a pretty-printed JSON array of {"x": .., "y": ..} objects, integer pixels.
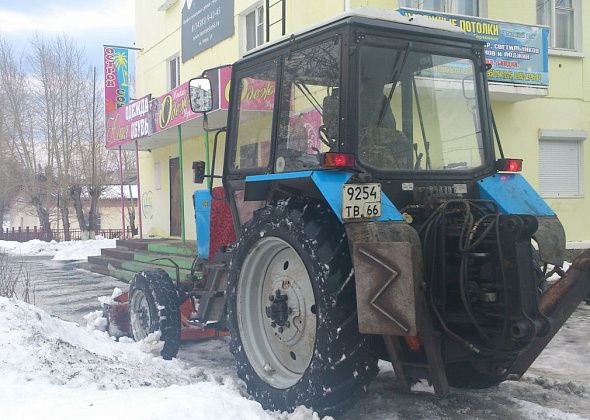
[{"x": 387, "y": 261}]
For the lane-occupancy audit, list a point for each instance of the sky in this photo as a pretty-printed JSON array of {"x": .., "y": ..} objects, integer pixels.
[{"x": 91, "y": 22}]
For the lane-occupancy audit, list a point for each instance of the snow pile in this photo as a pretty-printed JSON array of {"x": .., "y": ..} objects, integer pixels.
[
  {"x": 60, "y": 251},
  {"x": 34, "y": 247},
  {"x": 53, "y": 369},
  {"x": 80, "y": 250}
]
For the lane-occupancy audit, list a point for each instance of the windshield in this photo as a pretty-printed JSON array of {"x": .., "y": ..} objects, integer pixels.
[{"x": 417, "y": 111}]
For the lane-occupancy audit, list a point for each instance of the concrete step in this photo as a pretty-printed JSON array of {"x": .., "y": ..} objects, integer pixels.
[
  {"x": 162, "y": 259},
  {"x": 133, "y": 244},
  {"x": 100, "y": 260},
  {"x": 95, "y": 268},
  {"x": 132, "y": 256},
  {"x": 119, "y": 253},
  {"x": 175, "y": 248}
]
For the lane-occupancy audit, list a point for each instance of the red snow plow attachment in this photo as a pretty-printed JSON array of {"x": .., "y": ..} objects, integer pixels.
[{"x": 117, "y": 315}]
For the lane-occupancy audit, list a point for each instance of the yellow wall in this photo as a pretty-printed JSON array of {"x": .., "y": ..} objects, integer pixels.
[
  {"x": 566, "y": 107},
  {"x": 23, "y": 215}
]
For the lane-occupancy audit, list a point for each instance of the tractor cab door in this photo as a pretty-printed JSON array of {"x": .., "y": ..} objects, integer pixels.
[{"x": 284, "y": 114}]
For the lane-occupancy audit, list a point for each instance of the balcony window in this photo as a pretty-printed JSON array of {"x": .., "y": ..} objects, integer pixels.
[{"x": 461, "y": 7}]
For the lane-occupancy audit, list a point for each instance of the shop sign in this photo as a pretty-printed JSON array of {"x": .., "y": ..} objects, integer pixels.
[
  {"x": 116, "y": 78},
  {"x": 204, "y": 24},
  {"x": 257, "y": 94},
  {"x": 518, "y": 53},
  {"x": 172, "y": 109},
  {"x": 129, "y": 123}
]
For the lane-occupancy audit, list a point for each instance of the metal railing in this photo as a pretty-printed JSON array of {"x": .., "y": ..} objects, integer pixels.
[{"x": 59, "y": 235}]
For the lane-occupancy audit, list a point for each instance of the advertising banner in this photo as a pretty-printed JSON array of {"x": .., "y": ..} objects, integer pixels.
[
  {"x": 518, "y": 53},
  {"x": 147, "y": 116},
  {"x": 116, "y": 78},
  {"x": 172, "y": 109},
  {"x": 204, "y": 24},
  {"x": 257, "y": 94},
  {"x": 129, "y": 123}
]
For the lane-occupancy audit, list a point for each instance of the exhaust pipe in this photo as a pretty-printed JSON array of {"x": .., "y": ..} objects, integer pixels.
[{"x": 557, "y": 304}]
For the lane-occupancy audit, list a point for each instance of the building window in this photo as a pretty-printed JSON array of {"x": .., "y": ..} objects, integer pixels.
[
  {"x": 462, "y": 7},
  {"x": 562, "y": 17},
  {"x": 561, "y": 165},
  {"x": 173, "y": 72},
  {"x": 253, "y": 24}
]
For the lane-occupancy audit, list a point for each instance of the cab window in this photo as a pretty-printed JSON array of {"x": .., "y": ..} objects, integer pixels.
[
  {"x": 256, "y": 98},
  {"x": 309, "y": 107}
]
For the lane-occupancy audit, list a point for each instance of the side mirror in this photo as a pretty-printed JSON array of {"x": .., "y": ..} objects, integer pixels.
[
  {"x": 199, "y": 171},
  {"x": 200, "y": 93}
]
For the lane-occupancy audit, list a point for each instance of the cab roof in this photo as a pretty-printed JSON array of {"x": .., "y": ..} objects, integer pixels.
[{"x": 366, "y": 15}]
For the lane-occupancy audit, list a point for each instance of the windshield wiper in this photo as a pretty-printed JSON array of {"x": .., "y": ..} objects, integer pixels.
[
  {"x": 309, "y": 96},
  {"x": 396, "y": 72}
]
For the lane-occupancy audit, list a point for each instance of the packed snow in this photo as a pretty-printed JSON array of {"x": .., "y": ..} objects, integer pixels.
[
  {"x": 60, "y": 251},
  {"x": 53, "y": 369}
]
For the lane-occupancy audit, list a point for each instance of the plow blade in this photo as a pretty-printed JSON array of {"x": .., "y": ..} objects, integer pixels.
[
  {"x": 119, "y": 322},
  {"x": 557, "y": 303}
]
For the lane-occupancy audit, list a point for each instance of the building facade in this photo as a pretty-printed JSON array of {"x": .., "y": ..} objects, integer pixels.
[{"x": 546, "y": 124}]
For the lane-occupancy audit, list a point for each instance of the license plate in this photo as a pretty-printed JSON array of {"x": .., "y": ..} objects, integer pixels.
[{"x": 361, "y": 201}]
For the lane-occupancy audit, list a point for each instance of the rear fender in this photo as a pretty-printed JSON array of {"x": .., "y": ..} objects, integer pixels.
[
  {"x": 514, "y": 195},
  {"x": 326, "y": 185}
]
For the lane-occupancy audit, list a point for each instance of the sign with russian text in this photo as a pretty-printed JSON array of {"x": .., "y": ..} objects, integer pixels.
[
  {"x": 172, "y": 109},
  {"x": 257, "y": 94},
  {"x": 146, "y": 117},
  {"x": 116, "y": 78},
  {"x": 518, "y": 53},
  {"x": 129, "y": 123},
  {"x": 204, "y": 24}
]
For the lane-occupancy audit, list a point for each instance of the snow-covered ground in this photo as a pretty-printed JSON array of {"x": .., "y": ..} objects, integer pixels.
[
  {"x": 53, "y": 369},
  {"x": 60, "y": 251}
]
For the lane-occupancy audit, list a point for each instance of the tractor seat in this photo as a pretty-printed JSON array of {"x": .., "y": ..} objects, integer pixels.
[{"x": 222, "y": 232}]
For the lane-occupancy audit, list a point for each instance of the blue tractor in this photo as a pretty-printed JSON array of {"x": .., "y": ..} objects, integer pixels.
[{"x": 376, "y": 217}]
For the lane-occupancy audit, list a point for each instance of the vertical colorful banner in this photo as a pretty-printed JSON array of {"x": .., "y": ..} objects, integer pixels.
[{"x": 116, "y": 78}]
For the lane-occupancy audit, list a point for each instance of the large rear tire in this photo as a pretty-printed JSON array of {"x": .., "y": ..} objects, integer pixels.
[
  {"x": 292, "y": 311},
  {"x": 153, "y": 306}
]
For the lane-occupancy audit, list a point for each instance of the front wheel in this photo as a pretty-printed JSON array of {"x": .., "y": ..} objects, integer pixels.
[
  {"x": 292, "y": 311},
  {"x": 153, "y": 306}
]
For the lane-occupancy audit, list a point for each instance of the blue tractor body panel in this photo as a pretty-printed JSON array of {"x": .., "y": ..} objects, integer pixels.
[
  {"x": 202, "y": 203},
  {"x": 330, "y": 184},
  {"x": 513, "y": 195}
]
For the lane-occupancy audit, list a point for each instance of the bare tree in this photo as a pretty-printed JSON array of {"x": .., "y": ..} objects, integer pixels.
[
  {"x": 33, "y": 155},
  {"x": 8, "y": 186},
  {"x": 72, "y": 123}
]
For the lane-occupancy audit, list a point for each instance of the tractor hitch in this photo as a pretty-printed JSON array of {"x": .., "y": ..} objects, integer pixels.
[{"x": 557, "y": 304}]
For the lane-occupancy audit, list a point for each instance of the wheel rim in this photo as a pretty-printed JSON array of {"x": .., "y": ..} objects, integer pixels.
[
  {"x": 141, "y": 319},
  {"x": 276, "y": 312}
]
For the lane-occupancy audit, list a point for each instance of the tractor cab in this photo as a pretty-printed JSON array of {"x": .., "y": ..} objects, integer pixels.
[{"x": 381, "y": 97}]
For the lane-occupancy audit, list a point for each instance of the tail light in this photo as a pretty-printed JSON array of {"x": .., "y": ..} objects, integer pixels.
[
  {"x": 509, "y": 165},
  {"x": 413, "y": 342},
  {"x": 338, "y": 160}
]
